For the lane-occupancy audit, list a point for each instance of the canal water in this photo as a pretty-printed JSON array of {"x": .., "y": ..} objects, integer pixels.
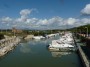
[{"x": 33, "y": 53}]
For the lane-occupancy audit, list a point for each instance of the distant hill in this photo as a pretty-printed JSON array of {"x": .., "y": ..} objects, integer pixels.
[{"x": 82, "y": 29}]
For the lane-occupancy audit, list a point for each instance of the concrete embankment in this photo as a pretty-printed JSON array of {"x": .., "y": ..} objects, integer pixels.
[
  {"x": 82, "y": 55},
  {"x": 8, "y": 44}
]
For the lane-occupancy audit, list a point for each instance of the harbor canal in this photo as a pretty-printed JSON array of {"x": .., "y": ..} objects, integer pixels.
[{"x": 33, "y": 53}]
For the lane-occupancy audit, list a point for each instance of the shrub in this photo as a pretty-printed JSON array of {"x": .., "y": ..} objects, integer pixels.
[{"x": 1, "y": 36}]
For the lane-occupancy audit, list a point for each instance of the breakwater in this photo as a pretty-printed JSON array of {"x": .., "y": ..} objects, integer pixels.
[{"x": 8, "y": 44}]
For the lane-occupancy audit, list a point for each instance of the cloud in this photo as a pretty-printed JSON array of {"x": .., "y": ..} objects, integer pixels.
[
  {"x": 52, "y": 23},
  {"x": 71, "y": 21},
  {"x": 6, "y": 19},
  {"x": 42, "y": 22},
  {"x": 86, "y": 20},
  {"x": 24, "y": 15},
  {"x": 32, "y": 20},
  {"x": 56, "y": 22},
  {"x": 25, "y": 12},
  {"x": 86, "y": 10}
]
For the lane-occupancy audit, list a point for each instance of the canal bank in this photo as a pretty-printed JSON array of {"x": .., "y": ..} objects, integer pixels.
[
  {"x": 8, "y": 44},
  {"x": 83, "y": 57},
  {"x": 34, "y": 53},
  {"x": 81, "y": 51}
]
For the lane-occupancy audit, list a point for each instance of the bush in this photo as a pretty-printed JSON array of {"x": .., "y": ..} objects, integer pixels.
[{"x": 1, "y": 36}]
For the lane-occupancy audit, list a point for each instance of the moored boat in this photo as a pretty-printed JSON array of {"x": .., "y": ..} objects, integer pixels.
[{"x": 65, "y": 43}]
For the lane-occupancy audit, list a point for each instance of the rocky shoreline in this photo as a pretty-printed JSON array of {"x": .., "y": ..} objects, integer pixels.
[{"x": 8, "y": 45}]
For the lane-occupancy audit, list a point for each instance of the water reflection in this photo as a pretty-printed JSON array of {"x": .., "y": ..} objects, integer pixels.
[
  {"x": 25, "y": 48},
  {"x": 33, "y": 42},
  {"x": 59, "y": 54}
]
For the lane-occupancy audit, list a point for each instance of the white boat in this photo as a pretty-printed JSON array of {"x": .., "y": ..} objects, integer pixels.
[
  {"x": 38, "y": 37},
  {"x": 51, "y": 35},
  {"x": 65, "y": 43},
  {"x": 59, "y": 45},
  {"x": 64, "y": 40}
]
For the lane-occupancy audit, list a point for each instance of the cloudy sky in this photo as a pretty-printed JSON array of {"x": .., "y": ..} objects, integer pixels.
[{"x": 44, "y": 14}]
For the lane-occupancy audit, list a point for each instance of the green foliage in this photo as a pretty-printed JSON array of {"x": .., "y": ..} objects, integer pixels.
[
  {"x": 1, "y": 36},
  {"x": 81, "y": 29},
  {"x": 28, "y": 32}
]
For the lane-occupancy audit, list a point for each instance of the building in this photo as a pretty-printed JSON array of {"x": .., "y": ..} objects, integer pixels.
[{"x": 14, "y": 30}]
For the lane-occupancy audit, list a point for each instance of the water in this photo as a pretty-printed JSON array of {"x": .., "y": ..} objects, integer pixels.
[{"x": 35, "y": 54}]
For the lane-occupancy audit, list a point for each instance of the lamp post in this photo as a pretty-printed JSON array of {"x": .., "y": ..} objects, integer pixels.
[
  {"x": 13, "y": 30},
  {"x": 87, "y": 31},
  {"x": 76, "y": 31},
  {"x": 7, "y": 28},
  {"x": 14, "y": 33},
  {"x": 80, "y": 33},
  {"x": 6, "y": 31}
]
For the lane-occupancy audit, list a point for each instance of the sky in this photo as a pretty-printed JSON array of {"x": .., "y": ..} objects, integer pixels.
[{"x": 44, "y": 14}]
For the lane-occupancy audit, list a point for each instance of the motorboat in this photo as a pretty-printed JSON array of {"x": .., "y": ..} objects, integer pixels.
[
  {"x": 38, "y": 37},
  {"x": 59, "y": 46},
  {"x": 65, "y": 43}
]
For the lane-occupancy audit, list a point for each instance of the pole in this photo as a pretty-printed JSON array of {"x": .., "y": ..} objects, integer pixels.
[
  {"x": 80, "y": 34},
  {"x": 6, "y": 31},
  {"x": 14, "y": 33},
  {"x": 76, "y": 32},
  {"x": 87, "y": 31}
]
